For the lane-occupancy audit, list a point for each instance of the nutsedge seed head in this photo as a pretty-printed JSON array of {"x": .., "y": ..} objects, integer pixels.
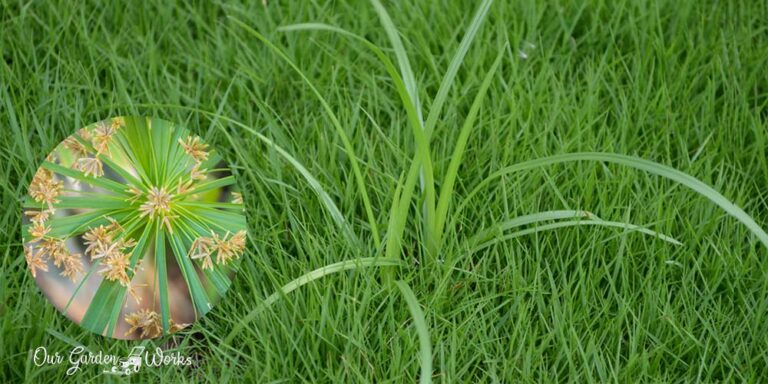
[
  {"x": 74, "y": 145},
  {"x": 38, "y": 230},
  {"x": 90, "y": 166},
  {"x": 117, "y": 123},
  {"x": 102, "y": 136},
  {"x": 149, "y": 322},
  {"x": 158, "y": 202},
  {"x": 195, "y": 148},
  {"x": 37, "y": 216},
  {"x": 116, "y": 267},
  {"x": 34, "y": 261},
  {"x": 44, "y": 188},
  {"x": 73, "y": 266}
]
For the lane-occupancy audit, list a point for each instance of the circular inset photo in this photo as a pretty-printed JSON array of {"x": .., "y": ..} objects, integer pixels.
[{"x": 133, "y": 228}]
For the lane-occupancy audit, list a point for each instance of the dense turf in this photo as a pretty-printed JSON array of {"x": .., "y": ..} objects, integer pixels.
[{"x": 682, "y": 83}]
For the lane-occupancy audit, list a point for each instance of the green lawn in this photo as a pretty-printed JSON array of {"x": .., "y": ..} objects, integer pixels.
[{"x": 334, "y": 165}]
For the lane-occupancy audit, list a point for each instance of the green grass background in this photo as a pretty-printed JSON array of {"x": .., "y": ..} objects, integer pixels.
[{"x": 682, "y": 83}]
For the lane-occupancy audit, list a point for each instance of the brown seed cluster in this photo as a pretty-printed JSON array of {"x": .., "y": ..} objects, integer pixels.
[
  {"x": 149, "y": 323},
  {"x": 102, "y": 243},
  {"x": 225, "y": 247},
  {"x": 90, "y": 166},
  {"x": 44, "y": 188},
  {"x": 74, "y": 145},
  {"x": 49, "y": 248},
  {"x": 34, "y": 261},
  {"x": 100, "y": 139},
  {"x": 195, "y": 148},
  {"x": 197, "y": 152},
  {"x": 158, "y": 204}
]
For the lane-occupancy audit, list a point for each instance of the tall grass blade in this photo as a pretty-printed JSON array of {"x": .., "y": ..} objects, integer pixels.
[
  {"x": 306, "y": 279},
  {"x": 458, "y": 58},
  {"x": 335, "y": 121},
  {"x": 401, "y": 214},
  {"x": 393, "y": 243},
  {"x": 634, "y": 162},
  {"x": 572, "y": 223},
  {"x": 446, "y": 191},
  {"x": 402, "y": 57},
  {"x": 422, "y": 157},
  {"x": 519, "y": 221},
  {"x": 420, "y": 322},
  {"x": 427, "y": 182}
]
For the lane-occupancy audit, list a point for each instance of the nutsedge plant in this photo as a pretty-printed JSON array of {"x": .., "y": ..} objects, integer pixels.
[
  {"x": 437, "y": 215},
  {"x": 120, "y": 204}
]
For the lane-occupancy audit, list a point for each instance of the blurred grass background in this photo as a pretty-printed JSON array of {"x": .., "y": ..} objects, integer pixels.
[{"x": 678, "y": 82}]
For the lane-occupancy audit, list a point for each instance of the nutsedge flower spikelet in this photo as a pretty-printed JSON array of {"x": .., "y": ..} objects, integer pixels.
[
  {"x": 195, "y": 148},
  {"x": 37, "y": 216},
  {"x": 84, "y": 134},
  {"x": 117, "y": 123},
  {"x": 102, "y": 136},
  {"x": 149, "y": 322},
  {"x": 38, "y": 230},
  {"x": 55, "y": 249},
  {"x": 90, "y": 166},
  {"x": 77, "y": 148},
  {"x": 35, "y": 261},
  {"x": 73, "y": 266},
  {"x": 95, "y": 238},
  {"x": 44, "y": 188},
  {"x": 202, "y": 248},
  {"x": 226, "y": 249},
  {"x": 116, "y": 267},
  {"x": 158, "y": 202}
]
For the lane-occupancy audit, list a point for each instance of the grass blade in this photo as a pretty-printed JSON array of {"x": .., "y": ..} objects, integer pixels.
[
  {"x": 634, "y": 162},
  {"x": 450, "y": 75},
  {"x": 77, "y": 175},
  {"x": 393, "y": 238},
  {"x": 422, "y": 157},
  {"x": 199, "y": 297},
  {"x": 313, "y": 183},
  {"x": 96, "y": 317},
  {"x": 427, "y": 181},
  {"x": 446, "y": 191},
  {"x": 519, "y": 221},
  {"x": 162, "y": 277},
  {"x": 572, "y": 223},
  {"x": 306, "y": 279},
  {"x": 419, "y": 321},
  {"x": 402, "y": 57},
  {"x": 339, "y": 129}
]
